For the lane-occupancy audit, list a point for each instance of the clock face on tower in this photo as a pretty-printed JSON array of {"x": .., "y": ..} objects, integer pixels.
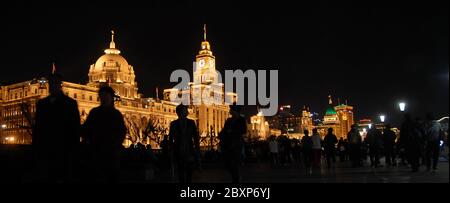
[{"x": 201, "y": 63}]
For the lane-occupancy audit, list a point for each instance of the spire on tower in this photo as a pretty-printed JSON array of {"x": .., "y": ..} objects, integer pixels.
[
  {"x": 112, "y": 45},
  {"x": 204, "y": 32},
  {"x": 53, "y": 68},
  {"x": 330, "y": 101}
]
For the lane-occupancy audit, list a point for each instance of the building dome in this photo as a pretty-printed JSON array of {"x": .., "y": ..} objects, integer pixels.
[
  {"x": 112, "y": 61},
  {"x": 330, "y": 111}
]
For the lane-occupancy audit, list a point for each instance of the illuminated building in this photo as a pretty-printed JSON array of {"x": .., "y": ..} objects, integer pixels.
[
  {"x": 258, "y": 128},
  {"x": 18, "y": 101},
  {"x": 206, "y": 94},
  {"x": 339, "y": 118},
  {"x": 306, "y": 121},
  {"x": 346, "y": 119},
  {"x": 285, "y": 120}
]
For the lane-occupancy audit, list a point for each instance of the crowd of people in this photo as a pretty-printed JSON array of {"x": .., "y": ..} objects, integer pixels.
[
  {"x": 419, "y": 144},
  {"x": 60, "y": 156}
]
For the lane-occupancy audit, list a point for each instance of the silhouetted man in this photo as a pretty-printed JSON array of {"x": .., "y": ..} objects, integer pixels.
[
  {"x": 341, "y": 148},
  {"x": 433, "y": 138},
  {"x": 231, "y": 137},
  {"x": 307, "y": 149},
  {"x": 389, "y": 145},
  {"x": 56, "y": 137},
  {"x": 411, "y": 137},
  {"x": 105, "y": 132},
  {"x": 184, "y": 144},
  {"x": 330, "y": 141},
  {"x": 375, "y": 141}
]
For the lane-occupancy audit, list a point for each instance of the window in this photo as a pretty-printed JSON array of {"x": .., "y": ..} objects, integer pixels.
[
  {"x": 35, "y": 91},
  {"x": 82, "y": 97},
  {"x": 75, "y": 95},
  {"x": 90, "y": 98},
  {"x": 26, "y": 93}
]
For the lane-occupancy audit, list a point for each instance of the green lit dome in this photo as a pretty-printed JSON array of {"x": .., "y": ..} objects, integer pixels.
[{"x": 330, "y": 111}]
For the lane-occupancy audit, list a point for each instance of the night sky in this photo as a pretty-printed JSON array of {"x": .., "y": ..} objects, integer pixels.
[{"x": 373, "y": 55}]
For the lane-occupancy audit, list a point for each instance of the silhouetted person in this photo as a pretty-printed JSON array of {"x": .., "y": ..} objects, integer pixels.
[
  {"x": 341, "y": 148},
  {"x": 354, "y": 139},
  {"x": 316, "y": 148},
  {"x": 307, "y": 149},
  {"x": 432, "y": 138},
  {"x": 165, "y": 158},
  {"x": 375, "y": 142},
  {"x": 410, "y": 137},
  {"x": 56, "y": 138},
  {"x": 273, "y": 147},
  {"x": 105, "y": 132},
  {"x": 330, "y": 142},
  {"x": 184, "y": 144},
  {"x": 389, "y": 145},
  {"x": 231, "y": 137}
]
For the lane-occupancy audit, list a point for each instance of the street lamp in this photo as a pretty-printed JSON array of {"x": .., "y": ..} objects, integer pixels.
[
  {"x": 3, "y": 126},
  {"x": 402, "y": 106},
  {"x": 382, "y": 118}
]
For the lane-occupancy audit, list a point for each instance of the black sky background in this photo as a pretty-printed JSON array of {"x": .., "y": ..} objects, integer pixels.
[{"x": 373, "y": 54}]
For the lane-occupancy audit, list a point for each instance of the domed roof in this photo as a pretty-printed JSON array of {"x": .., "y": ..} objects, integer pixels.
[
  {"x": 112, "y": 59},
  {"x": 330, "y": 111}
]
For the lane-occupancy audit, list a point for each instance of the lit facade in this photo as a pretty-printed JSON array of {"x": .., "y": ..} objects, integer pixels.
[
  {"x": 258, "y": 128},
  {"x": 18, "y": 101},
  {"x": 206, "y": 95},
  {"x": 339, "y": 118}
]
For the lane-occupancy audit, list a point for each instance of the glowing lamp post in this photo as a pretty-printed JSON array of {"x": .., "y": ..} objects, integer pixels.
[
  {"x": 402, "y": 106},
  {"x": 382, "y": 118}
]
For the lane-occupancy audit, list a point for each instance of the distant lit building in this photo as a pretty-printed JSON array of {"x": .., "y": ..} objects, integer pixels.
[
  {"x": 306, "y": 120},
  {"x": 340, "y": 118},
  {"x": 258, "y": 128}
]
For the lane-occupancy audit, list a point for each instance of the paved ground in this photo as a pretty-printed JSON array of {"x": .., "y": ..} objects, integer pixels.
[
  {"x": 341, "y": 173},
  {"x": 15, "y": 165}
]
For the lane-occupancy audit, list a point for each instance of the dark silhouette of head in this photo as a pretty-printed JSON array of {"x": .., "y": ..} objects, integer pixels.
[
  {"x": 388, "y": 126},
  {"x": 315, "y": 131},
  {"x": 182, "y": 111},
  {"x": 55, "y": 83},
  {"x": 330, "y": 130},
  {"x": 106, "y": 95},
  {"x": 235, "y": 110},
  {"x": 306, "y": 132},
  {"x": 354, "y": 127}
]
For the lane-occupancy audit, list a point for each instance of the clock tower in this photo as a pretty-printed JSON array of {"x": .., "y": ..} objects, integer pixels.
[{"x": 205, "y": 64}]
